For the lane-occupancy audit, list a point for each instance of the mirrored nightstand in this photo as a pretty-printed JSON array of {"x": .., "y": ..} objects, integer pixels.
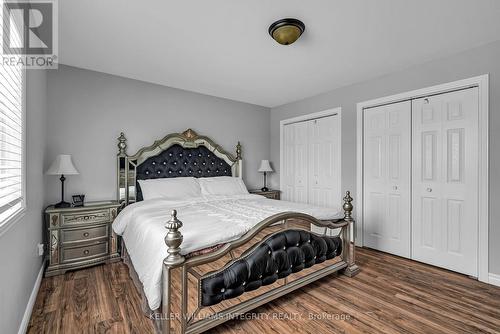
[
  {"x": 272, "y": 194},
  {"x": 80, "y": 237}
]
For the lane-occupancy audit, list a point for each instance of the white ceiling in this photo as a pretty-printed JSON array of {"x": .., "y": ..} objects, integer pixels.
[{"x": 222, "y": 48}]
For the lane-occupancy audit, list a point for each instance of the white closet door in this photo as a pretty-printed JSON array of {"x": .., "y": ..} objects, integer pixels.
[
  {"x": 324, "y": 162},
  {"x": 295, "y": 158},
  {"x": 288, "y": 186},
  {"x": 386, "y": 176},
  {"x": 445, "y": 180},
  {"x": 301, "y": 165}
]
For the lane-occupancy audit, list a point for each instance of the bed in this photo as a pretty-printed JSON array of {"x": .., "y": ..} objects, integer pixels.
[{"x": 202, "y": 258}]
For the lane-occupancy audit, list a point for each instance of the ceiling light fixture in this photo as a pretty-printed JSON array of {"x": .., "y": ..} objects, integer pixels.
[{"x": 286, "y": 31}]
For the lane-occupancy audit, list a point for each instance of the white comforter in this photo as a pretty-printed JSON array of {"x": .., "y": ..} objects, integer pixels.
[{"x": 208, "y": 221}]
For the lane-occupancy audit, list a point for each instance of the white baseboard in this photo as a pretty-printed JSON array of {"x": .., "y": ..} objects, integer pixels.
[
  {"x": 31, "y": 302},
  {"x": 494, "y": 279}
]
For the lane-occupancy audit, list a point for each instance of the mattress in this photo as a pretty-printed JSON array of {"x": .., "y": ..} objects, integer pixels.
[{"x": 207, "y": 221}]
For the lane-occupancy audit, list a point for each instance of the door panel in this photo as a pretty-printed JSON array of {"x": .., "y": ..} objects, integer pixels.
[
  {"x": 429, "y": 156},
  {"x": 430, "y": 208},
  {"x": 324, "y": 162},
  {"x": 393, "y": 215},
  {"x": 288, "y": 163},
  {"x": 315, "y": 145},
  {"x": 386, "y": 178},
  {"x": 301, "y": 163},
  {"x": 445, "y": 180},
  {"x": 295, "y": 162}
]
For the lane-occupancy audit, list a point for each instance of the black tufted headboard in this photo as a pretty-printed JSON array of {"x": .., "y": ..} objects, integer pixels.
[
  {"x": 278, "y": 256},
  {"x": 175, "y": 155},
  {"x": 178, "y": 161}
]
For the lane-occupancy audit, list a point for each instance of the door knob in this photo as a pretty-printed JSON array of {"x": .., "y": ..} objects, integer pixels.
[
  {"x": 395, "y": 187},
  {"x": 429, "y": 190}
]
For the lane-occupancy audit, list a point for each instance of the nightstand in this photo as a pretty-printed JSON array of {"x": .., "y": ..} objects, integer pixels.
[
  {"x": 272, "y": 194},
  {"x": 80, "y": 237}
]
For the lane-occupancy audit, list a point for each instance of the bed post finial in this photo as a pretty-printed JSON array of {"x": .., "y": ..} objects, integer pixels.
[
  {"x": 173, "y": 239},
  {"x": 348, "y": 249},
  {"x": 122, "y": 145},
  {"x": 348, "y": 206},
  {"x": 238, "y": 151}
]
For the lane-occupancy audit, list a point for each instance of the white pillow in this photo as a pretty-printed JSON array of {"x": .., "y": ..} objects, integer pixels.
[
  {"x": 222, "y": 185},
  {"x": 170, "y": 188}
]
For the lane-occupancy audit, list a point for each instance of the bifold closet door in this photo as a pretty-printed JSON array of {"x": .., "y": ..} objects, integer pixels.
[
  {"x": 324, "y": 162},
  {"x": 295, "y": 166},
  {"x": 311, "y": 161},
  {"x": 445, "y": 180},
  {"x": 386, "y": 178}
]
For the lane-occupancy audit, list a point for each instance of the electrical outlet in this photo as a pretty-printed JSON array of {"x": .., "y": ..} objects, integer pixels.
[{"x": 40, "y": 249}]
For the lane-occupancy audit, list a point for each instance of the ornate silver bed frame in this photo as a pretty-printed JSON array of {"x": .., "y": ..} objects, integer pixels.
[{"x": 177, "y": 264}]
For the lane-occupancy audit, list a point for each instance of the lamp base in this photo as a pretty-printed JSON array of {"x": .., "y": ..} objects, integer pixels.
[
  {"x": 62, "y": 204},
  {"x": 264, "y": 189}
]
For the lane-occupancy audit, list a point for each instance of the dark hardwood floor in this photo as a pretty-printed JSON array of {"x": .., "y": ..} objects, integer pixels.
[{"x": 390, "y": 295}]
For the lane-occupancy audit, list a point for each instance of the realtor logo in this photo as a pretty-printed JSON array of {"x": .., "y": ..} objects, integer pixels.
[{"x": 30, "y": 33}]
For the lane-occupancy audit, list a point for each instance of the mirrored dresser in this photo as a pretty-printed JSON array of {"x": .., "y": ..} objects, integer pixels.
[{"x": 80, "y": 237}]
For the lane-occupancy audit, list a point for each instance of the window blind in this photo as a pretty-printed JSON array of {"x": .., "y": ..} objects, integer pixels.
[{"x": 11, "y": 136}]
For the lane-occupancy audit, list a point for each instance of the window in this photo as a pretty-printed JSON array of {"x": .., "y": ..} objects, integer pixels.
[{"x": 12, "y": 135}]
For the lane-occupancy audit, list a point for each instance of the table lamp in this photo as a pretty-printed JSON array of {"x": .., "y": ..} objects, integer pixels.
[
  {"x": 265, "y": 167},
  {"x": 62, "y": 165}
]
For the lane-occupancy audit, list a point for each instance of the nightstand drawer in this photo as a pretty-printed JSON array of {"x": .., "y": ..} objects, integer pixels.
[
  {"x": 84, "y": 252},
  {"x": 89, "y": 217},
  {"x": 77, "y": 235}
]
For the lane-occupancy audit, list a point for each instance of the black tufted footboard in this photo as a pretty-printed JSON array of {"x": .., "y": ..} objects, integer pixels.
[{"x": 275, "y": 257}]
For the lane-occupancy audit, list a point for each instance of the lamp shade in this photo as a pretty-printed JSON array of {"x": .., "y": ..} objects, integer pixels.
[
  {"x": 265, "y": 166},
  {"x": 62, "y": 165}
]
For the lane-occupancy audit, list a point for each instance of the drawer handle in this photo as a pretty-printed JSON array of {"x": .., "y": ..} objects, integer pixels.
[
  {"x": 86, "y": 234},
  {"x": 86, "y": 252}
]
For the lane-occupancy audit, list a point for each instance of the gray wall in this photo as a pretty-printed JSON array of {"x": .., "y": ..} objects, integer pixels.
[
  {"x": 19, "y": 258},
  {"x": 468, "y": 64},
  {"x": 87, "y": 110}
]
